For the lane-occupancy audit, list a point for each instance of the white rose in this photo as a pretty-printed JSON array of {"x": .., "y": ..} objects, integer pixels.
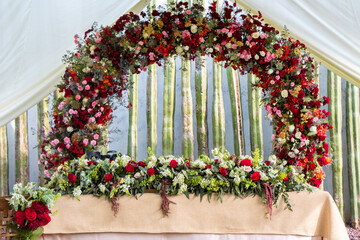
[
  {"x": 229, "y": 34},
  {"x": 256, "y": 57},
  {"x": 247, "y": 168},
  {"x": 298, "y": 135},
  {"x": 255, "y": 35},
  {"x": 270, "y": 71},
  {"x": 194, "y": 28},
  {"x": 281, "y": 140},
  {"x": 291, "y": 128},
  {"x": 69, "y": 129},
  {"x": 186, "y": 48},
  {"x": 137, "y": 175},
  {"x": 262, "y": 53},
  {"x": 313, "y": 129},
  {"x": 284, "y": 93},
  {"x": 228, "y": 45},
  {"x": 296, "y": 151},
  {"x": 291, "y": 154},
  {"x": 179, "y": 50},
  {"x": 210, "y": 50}
]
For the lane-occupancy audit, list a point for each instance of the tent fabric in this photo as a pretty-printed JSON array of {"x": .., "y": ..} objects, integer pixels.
[
  {"x": 34, "y": 37},
  {"x": 330, "y": 29},
  {"x": 36, "y": 34}
]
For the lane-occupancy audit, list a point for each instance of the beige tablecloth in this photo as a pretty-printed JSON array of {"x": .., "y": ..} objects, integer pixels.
[{"x": 314, "y": 214}]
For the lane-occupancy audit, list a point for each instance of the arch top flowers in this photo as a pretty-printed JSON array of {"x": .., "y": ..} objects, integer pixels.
[{"x": 99, "y": 69}]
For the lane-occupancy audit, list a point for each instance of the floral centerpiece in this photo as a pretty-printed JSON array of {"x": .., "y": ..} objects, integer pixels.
[
  {"x": 32, "y": 209},
  {"x": 223, "y": 174},
  {"x": 98, "y": 70}
]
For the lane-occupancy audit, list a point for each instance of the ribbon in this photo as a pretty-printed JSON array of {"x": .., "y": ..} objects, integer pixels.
[{"x": 110, "y": 155}]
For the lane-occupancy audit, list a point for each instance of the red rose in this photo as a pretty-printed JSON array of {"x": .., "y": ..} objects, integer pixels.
[
  {"x": 255, "y": 176},
  {"x": 39, "y": 207},
  {"x": 108, "y": 177},
  {"x": 19, "y": 217},
  {"x": 30, "y": 214},
  {"x": 151, "y": 171},
  {"x": 71, "y": 177},
  {"x": 245, "y": 162},
  {"x": 223, "y": 171},
  {"x": 44, "y": 219},
  {"x": 208, "y": 166},
  {"x": 33, "y": 225},
  {"x": 129, "y": 168},
  {"x": 267, "y": 163},
  {"x": 173, "y": 163},
  {"x": 286, "y": 179},
  {"x": 142, "y": 164},
  {"x": 91, "y": 162}
]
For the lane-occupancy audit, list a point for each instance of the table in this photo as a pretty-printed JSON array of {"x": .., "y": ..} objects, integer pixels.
[{"x": 314, "y": 214}]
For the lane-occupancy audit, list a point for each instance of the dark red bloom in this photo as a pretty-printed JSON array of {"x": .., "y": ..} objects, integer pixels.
[
  {"x": 142, "y": 164},
  {"x": 19, "y": 217},
  {"x": 33, "y": 225},
  {"x": 267, "y": 163},
  {"x": 223, "y": 171},
  {"x": 151, "y": 171},
  {"x": 91, "y": 162},
  {"x": 255, "y": 176},
  {"x": 30, "y": 214},
  {"x": 39, "y": 207},
  {"x": 173, "y": 163},
  {"x": 44, "y": 219},
  {"x": 245, "y": 162},
  {"x": 208, "y": 166},
  {"x": 108, "y": 177},
  {"x": 71, "y": 177},
  {"x": 129, "y": 168}
]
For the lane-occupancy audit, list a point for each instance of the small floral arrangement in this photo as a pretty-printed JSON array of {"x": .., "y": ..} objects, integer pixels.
[
  {"x": 32, "y": 209},
  {"x": 169, "y": 175}
]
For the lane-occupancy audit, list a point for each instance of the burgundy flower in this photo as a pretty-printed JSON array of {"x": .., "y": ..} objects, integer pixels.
[
  {"x": 151, "y": 171},
  {"x": 71, "y": 177},
  {"x": 245, "y": 162},
  {"x": 129, "y": 168},
  {"x": 255, "y": 176},
  {"x": 173, "y": 163},
  {"x": 223, "y": 171},
  {"x": 142, "y": 164},
  {"x": 39, "y": 207},
  {"x": 208, "y": 166},
  {"x": 30, "y": 214},
  {"x": 44, "y": 219},
  {"x": 19, "y": 217},
  {"x": 108, "y": 177}
]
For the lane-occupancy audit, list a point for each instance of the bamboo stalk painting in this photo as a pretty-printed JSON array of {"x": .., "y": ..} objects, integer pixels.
[{"x": 133, "y": 116}]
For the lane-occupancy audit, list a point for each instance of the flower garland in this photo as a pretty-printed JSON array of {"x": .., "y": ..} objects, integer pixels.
[
  {"x": 99, "y": 70},
  {"x": 32, "y": 208},
  {"x": 225, "y": 173}
]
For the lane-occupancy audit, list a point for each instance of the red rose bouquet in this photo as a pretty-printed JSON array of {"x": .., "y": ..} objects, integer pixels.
[{"x": 32, "y": 209}]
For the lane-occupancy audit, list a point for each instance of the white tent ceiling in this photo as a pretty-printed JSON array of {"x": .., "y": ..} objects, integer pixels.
[{"x": 36, "y": 34}]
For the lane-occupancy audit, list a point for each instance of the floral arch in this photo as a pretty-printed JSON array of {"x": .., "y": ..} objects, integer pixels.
[{"x": 99, "y": 68}]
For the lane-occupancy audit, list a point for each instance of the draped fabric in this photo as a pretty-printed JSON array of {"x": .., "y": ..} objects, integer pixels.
[
  {"x": 330, "y": 29},
  {"x": 35, "y": 35}
]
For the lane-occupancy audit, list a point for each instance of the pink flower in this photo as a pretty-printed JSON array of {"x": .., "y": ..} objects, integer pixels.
[
  {"x": 66, "y": 140},
  {"x": 278, "y": 112},
  {"x": 234, "y": 46},
  {"x": 277, "y": 77},
  {"x": 96, "y": 59},
  {"x": 97, "y": 33},
  {"x": 141, "y": 43},
  {"x": 165, "y": 34},
  {"x": 188, "y": 11},
  {"x": 98, "y": 40},
  {"x": 78, "y": 54},
  {"x": 59, "y": 149},
  {"x": 272, "y": 82},
  {"x": 77, "y": 97},
  {"x": 93, "y": 142},
  {"x": 46, "y": 172},
  {"x": 93, "y": 104},
  {"x": 177, "y": 21},
  {"x": 151, "y": 56},
  {"x": 85, "y": 141},
  {"x": 92, "y": 119},
  {"x": 80, "y": 88},
  {"x": 98, "y": 114},
  {"x": 84, "y": 82},
  {"x": 185, "y": 34},
  {"x": 87, "y": 87},
  {"x": 67, "y": 146},
  {"x": 273, "y": 136},
  {"x": 96, "y": 136},
  {"x": 201, "y": 39}
]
